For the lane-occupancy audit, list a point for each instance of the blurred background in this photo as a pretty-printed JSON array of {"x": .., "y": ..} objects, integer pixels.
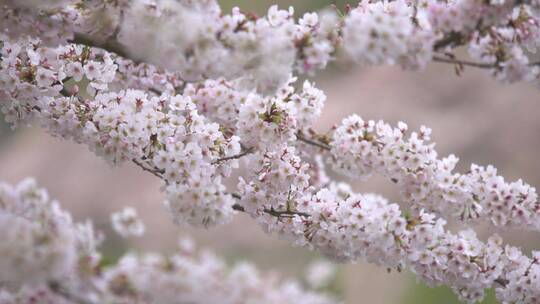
[{"x": 472, "y": 116}]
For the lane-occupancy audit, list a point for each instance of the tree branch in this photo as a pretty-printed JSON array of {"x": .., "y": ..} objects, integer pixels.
[
  {"x": 313, "y": 142},
  {"x": 452, "y": 39},
  {"x": 465, "y": 62},
  {"x": 277, "y": 213},
  {"x": 472, "y": 63},
  {"x": 285, "y": 213},
  {"x": 56, "y": 288},
  {"x": 502, "y": 282},
  {"x": 237, "y": 156},
  {"x": 271, "y": 211},
  {"x": 110, "y": 45},
  {"x": 157, "y": 172}
]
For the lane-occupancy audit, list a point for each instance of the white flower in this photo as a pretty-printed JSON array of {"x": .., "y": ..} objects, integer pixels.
[
  {"x": 127, "y": 223},
  {"x": 39, "y": 240},
  {"x": 377, "y": 32},
  {"x": 92, "y": 71},
  {"x": 309, "y": 19},
  {"x": 45, "y": 78},
  {"x": 75, "y": 70}
]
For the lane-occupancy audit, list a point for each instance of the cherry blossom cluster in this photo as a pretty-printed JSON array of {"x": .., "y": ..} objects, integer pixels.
[
  {"x": 274, "y": 119},
  {"x": 40, "y": 241},
  {"x": 270, "y": 122},
  {"x": 48, "y": 258},
  {"x": 126, "y": 223},
  {"x": 349, "y": 226},
  {"x": 320, "y": 273},
  {"x": 372, "y": 33},
  {"x": 264, "y": 51},
  {"x": 209, "y": 280},
  {"x": 361, "y": 148},
  {"x": 192, "y": 106},
  {"x": 163, "y": 133},
  {"x": 522, "y": 285},
  {"x": 383, "y": 32},
  {"x": 129, "y": 125},
  {"x": 281, "y": 178}
]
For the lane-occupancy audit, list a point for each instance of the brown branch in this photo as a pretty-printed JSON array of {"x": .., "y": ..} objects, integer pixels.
[
  {"x": 451, "y": 39},
  {"x": 109, "y": 45},
  {"x": 285, "y": 213},
  {"x": 156, "y": 172},
  {"x": 238, "y": 207},
  {"x": 313, "y": 142},
  {"x": 472, "y": 63},
  {"x": 465, "y": 62},
  {"x": 271, "y": 211},
  {"x": 56, "y": 288},
  {"x": 502, "y": 282},
  {"x": 237, "y": 156}
]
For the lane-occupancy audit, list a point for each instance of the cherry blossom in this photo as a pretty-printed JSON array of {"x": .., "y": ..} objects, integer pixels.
[
  {"x": 48, "y": 258},
  {"x": 219, "y": 99},
  {"x": 126, "y": 223}
]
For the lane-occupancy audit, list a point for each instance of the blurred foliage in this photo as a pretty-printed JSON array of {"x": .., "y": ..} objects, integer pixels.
[{"x": 422, "y": 294}]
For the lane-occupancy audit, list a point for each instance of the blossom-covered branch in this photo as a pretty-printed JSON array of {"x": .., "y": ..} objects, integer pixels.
[
  {"x": 286, "y": 194},
  {"x": 231, "y": 101},
  {"x": 265, "y": 50},
  {"x": 48, "y": 258}
]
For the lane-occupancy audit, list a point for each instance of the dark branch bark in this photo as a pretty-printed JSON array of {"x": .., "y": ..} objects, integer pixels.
[
  {"x": 66, "y": 294},
  {"x": 156, "y": 172},
  {"x": 271, "y": 211},
  {"x": 237, "y": 156},
  {"x": 451, "y": 39},
  {"x": 313, "y": 142},
  {"x": 464, "y": 62},
  {"x": 472, "y": 63},
  {"x": 110, "y": 45}
]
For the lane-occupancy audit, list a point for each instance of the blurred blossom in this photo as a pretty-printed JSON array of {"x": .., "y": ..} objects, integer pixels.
[{"x": 320, "y": 274}]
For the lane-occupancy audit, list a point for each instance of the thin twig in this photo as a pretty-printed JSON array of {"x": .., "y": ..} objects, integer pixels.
[
  {"x": 502, "y": 282},
  {"x": 66, "y": 294},
  {"x": 238, "y": 207},
  {"x": 285, "y": 213},
  {"x": 313, "y": 142},
  {"x": 472, "y": 63},
  {"x": 237, "y": 156},
  {"x": 109, "y": 45},
  {"x": 156, "y": 172},
  {"x": 271, "y": 211},
  {"x": 452, "y": 39},
  {"x": 465, "y": 62}
]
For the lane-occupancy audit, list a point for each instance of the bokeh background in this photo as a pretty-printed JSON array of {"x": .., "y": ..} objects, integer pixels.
[{"x": 472, "y": 116}]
